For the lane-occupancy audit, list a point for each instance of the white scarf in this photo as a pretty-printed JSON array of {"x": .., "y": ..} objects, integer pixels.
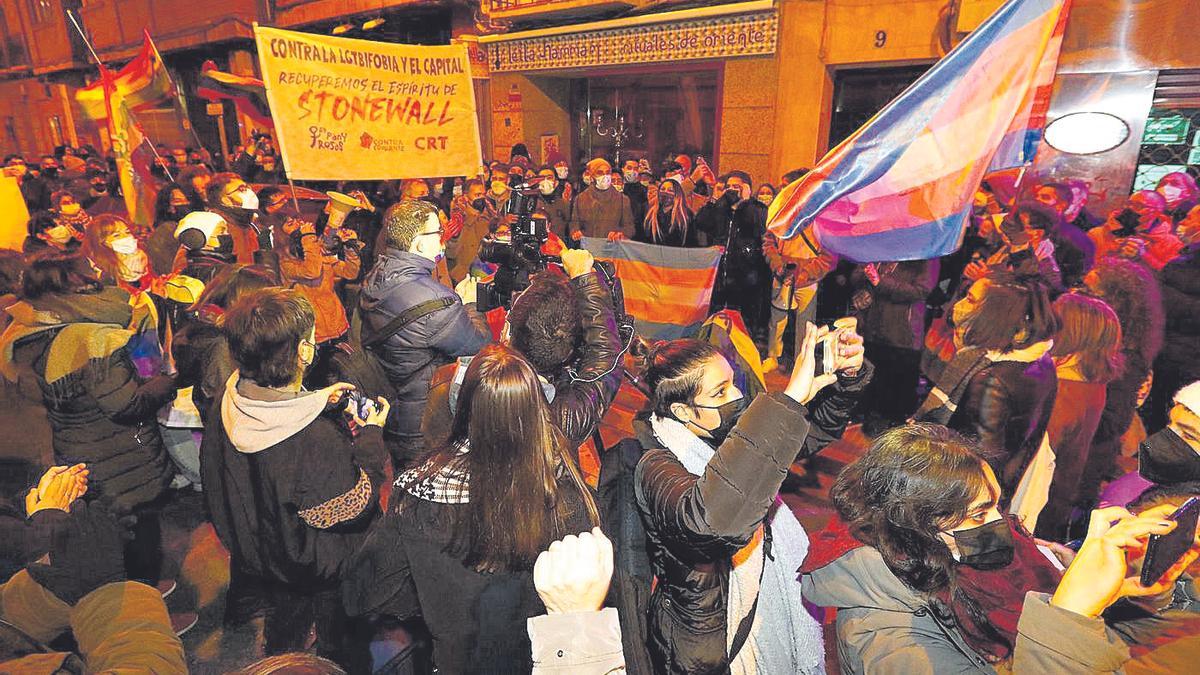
[{"x": 784, "y": 637}]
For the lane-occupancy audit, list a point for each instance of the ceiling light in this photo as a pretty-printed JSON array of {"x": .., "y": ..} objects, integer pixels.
[{"x": 1086, "y": 133}]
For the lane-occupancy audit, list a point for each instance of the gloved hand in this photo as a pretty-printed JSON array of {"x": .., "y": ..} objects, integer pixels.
[{"x": 86, "y": 550}]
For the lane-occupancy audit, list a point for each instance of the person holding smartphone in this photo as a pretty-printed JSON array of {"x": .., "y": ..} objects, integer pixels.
[
  {"x": 1139, "y": 230},
  {"x": 290, "y": 490},
  {"x": 725, "y": 555}
]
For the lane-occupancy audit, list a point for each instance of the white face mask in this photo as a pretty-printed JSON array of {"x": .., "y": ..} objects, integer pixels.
[
  {"x": 249, "y": 200},
  {"x": 125, "y": 245},
  {"x": 766, "y": 199},
  {"x": 630, "y": 176},
  {"x": 603, "y": 182},
  {"x": 1173, "y": 194},
  {"x": 561, "y": 172},
  {"x": 546, "y": 186},
  {"x": 133, "y": 267},
  {"x": 456, "y": 190}
]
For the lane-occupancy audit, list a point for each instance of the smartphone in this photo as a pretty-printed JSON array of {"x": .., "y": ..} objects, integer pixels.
[
  {"x": 1129, "y": 221},
  {"x": 825, "y": 351},
  {"x": 358, "y": 405},
  {"x": 1164, "y": 550}
]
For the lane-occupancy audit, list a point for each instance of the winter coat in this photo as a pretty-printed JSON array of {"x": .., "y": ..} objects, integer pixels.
[
  {"x": 1161, "y": 243},
  {"x": 398, "y": 281},
  {"x": 1007, "y": 406},
  {"x": 696, "y": 524},
  {"x": 884, "y": 626},
  {"x": 896, "y": 315},
  {"x": 1181, "y": 302},
  {"x": 578, "y": 404},
  {"x": 463, "y": 248},
  {"x": 596, "y": 213},
  {"x": 202, "y": 362},
  {"x": 315, "y": 275},
  {"x": 558, "y": 215},
  {"x": 118, "y": 628},
  {"x": 289, "y": 493},
  {"x": 477, "y": 619},
  {"x": 101, "y": 413}
]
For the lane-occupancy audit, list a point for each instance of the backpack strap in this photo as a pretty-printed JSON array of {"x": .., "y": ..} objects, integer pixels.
[{"x": 406, "y": 317}]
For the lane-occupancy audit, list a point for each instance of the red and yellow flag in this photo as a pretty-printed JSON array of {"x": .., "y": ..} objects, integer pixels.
[{"x": 143, "y": 83}]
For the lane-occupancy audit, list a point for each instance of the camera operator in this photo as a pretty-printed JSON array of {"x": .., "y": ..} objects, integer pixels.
[
  {"x": 289, "y": 487},
  {"x": 567, "y": 331},
  {"x": 401, "y": 288},
  {"x": 1140, "y": 230}
]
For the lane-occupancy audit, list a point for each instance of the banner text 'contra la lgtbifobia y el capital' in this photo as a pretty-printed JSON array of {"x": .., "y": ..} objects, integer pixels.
[{"x": 361, "y": 110}]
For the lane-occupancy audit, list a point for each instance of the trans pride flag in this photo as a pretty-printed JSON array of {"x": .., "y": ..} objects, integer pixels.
[
  {"x": 667, "y": 289},
  {"x": 900, "y": 187}
]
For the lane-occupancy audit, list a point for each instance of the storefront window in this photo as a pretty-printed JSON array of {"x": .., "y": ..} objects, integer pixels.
[
  {"x": 1171, "y": 141},
  {"x": 652, "y": 115}
]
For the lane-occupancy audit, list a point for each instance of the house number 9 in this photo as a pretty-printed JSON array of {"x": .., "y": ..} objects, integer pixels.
[{"x": 880, "y": 38}]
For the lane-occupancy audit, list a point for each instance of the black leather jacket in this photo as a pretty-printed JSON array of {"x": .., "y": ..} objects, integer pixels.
[
  {"x": 696, "y": 524},
  {"x": 579, "y": 404}
]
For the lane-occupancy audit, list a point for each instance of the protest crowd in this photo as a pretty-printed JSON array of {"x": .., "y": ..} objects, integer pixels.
[{"x": 390, "y": 400}]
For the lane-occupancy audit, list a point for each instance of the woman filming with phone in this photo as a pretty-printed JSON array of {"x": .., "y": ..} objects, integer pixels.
[{"x": 724, "y": 553}]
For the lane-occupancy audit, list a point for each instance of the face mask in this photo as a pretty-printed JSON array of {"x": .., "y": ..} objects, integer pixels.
[
  {"x": 126, "y": 245},
  {"x": 765, "y": 200},
  {"x": 70, "y": 209},
  {"x": 987, "y": 547},
  {"x": 603, "y": 182},
  {"x": 224, "y": 245},
  {"x": 268, "y": 167},
  {"x": 630, "y": 176},
  {"x": 499, "y": 187},
  {"x": 1166, "y": 458},
  {"x": 546, "y": 186},
  {"x": 1172, "y": 194},
  {"x": 99, "y": 188},
  {"x": 249, "y": 200},
  {"x": 666, "y": 201},
  {"x": 561, "y": 172},
  {"x": 59, "y": 234},
  {"x": 456, "y": 190},
  {"x": 731, "y": 196},
  {"x": 729, "y": 413},
  {"x": 50, "y": 171},
  {"x": 133, "y": 267},
  {"x": 479, "y": 204}
]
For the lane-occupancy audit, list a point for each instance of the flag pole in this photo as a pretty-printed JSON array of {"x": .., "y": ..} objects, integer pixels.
[{"x": 104, "y": 75}]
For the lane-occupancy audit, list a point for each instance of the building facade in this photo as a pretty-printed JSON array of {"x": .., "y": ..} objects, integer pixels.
[{"x": 757, "y": 85}]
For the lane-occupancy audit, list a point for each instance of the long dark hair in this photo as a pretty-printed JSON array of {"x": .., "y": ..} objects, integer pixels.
[
  {"x": 232, "y": 283},
  {"x": 1015, "y": 313},
  {"x": 516, "y": 458}
]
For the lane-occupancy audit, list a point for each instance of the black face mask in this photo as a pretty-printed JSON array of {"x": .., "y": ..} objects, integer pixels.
[
  {"x": 99, "y": 188},
  {"x": 987, "y": 547},
  {"x": 1166, "y": 458},
  {"x": 729, "y": 413},
  {"x": 50, "y": 172},
  {"x": 479, "y": 204},
  {"x": 731, "y": 197},
  {"x": 665, "y": 202}
]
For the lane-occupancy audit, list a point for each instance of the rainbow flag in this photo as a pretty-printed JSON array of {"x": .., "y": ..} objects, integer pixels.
[
  {"x": 667, "y": 289},
  {"x": 900, "y": 187},
  {"x": 143, "y": 83}
]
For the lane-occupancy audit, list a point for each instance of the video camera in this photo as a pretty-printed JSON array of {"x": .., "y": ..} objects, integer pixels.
[{"x": 520, "y": 256}]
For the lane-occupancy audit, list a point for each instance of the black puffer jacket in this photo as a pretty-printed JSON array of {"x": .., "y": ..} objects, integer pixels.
[
  {"x": 579, "y": 403},
  {"x": 399, "y": 281},
  {"x": 202, "y": 361},
  {"x": 696, "y": 525}
]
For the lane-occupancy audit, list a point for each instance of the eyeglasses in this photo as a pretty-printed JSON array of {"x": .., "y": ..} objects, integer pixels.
[{"x": 438, "y": 232}]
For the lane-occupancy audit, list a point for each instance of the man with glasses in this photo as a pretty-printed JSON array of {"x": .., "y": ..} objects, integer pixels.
[
  {"x": 235, "y": 201},
  {"x": 416, "y": 323}
]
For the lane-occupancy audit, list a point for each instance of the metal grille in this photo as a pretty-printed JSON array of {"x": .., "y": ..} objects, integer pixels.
[{"x": 1172, "y": 138}]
